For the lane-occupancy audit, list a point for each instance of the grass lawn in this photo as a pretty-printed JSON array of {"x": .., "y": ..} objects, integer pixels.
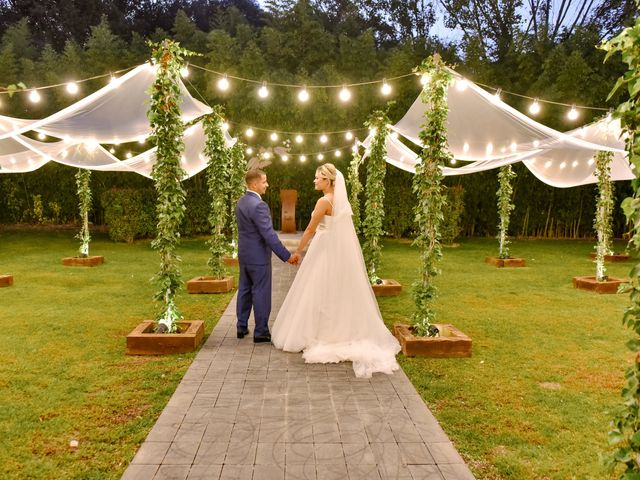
[
  {"x": 63, "y": 371},
  {"x": 534, "y": 400}
]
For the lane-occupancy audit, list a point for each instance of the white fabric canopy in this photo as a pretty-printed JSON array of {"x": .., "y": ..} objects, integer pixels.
[
  {"x": 489, "y": 133},
  {"x": 117, "y": 113}
]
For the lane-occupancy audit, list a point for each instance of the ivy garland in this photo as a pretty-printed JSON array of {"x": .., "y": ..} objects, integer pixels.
[
  {"x": 427, "y": 185},
  {"x": 218, "y": 173},
  {"x": 624, "y": 435},
  {"x": 604, "y": 211},
  {"x": 505, "y": 207},
  {"x": 167, "y": 130},
  {"x": 236, "y": 190},
  {"x": 83, "y": 178},
  {"x": 374, "y": 195},
  {"x": 355, "y": 188}
]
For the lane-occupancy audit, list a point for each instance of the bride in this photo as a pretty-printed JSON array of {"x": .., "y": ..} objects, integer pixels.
[{"x": 330, "y": 312}]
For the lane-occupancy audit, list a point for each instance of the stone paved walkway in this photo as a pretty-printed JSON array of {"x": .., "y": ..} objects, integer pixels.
[{"x": 246, "y": 411}]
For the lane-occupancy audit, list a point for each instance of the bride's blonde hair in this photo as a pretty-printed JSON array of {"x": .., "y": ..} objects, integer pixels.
[{"x": 328, "y": 171}]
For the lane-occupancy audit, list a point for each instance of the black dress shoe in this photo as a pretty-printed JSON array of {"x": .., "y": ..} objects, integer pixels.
[
  {"x": 262, "y": 339},
  {"x": 242, "y": 333}
]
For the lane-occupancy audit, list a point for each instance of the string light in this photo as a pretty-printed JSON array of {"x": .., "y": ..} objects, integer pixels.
[
  {"x": 299, "y": 138},
  {"x": 323, "y": 138},
  {"x": 113, "y": 81},
  {"x": 284, "y": 157},
  {"x": 184, "y": 72},
  {"x": 34, "y": 96},
  {"x": 141, "y": 140},
  {"x": 320, "y": 157},
  {"x": 573, "y": 113},
  {"x": 386, "y": 88},
  {"x": 496, "y": 96},
  {"x": 263, "y": 92},
  {"x": 345, "y": 94},
  {"x": 534, "y": 108},
  {"x": 303, "y": 158},
  {"x": 461, "y": 84},
  {"x": 303, "y": 95},
  {"x": 41, "y": 136},
  {"x": 274, "y": 137},
  {"x": 112, "y": 150},
  {"x": 249, "y": 151},
  {"x": 514, "y": 146},
  {"x": 563, "y": 165},
  {"x": 453, "y": 161},
  {"x": 337, "y": 153},
  {"x": 223, "y": 83},
  {"x": 266, "y": 155},
  {"x": 249, "y": 132},
  {"x": 129, "y": 155},
  {"x": 489, "y": 148},
  {"x": 547, "y": 164},
  {"x": 574, "y": 164},
  {"x": 72, "y": 88},
  {"x": 425, "y": 79},
  {"x": 348, "y": 136},
  {"x": 465, "y": 147},
  {"x": 225, "y": 126}
]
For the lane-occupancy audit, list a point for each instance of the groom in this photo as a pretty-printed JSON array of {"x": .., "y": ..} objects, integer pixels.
[{"x": 256, "y": 241}]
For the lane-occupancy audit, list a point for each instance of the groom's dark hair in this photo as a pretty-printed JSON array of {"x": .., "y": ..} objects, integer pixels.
[{"x": 253, "y": 175}]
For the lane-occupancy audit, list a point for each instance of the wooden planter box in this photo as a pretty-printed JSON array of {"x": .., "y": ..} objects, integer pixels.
[
  {"x": 6, "y": 280},
  {"x": 590, "y": 283},
  {"x": 505, "y": 262},
  {"x": 89, "y": 261},
  {"x": 210, "y": 285},
  {"x": 388, "y": 288},
  {"x": 142, "y": 340},
  {"x": 616, "y": 257},
  {"x": 232, "y": 262},
  {"x": 451, "y": 343}
]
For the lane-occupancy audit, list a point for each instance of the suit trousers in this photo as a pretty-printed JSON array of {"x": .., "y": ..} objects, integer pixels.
[{"x": 254, "y": 290}]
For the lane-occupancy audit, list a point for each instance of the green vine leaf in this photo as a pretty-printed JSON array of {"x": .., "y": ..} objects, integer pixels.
[
  {"x": 505, "y": 207},
  {"x": 83, "y": 179}
]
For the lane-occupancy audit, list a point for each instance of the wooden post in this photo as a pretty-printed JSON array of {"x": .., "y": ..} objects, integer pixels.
[{"x": 288, "y": 198}]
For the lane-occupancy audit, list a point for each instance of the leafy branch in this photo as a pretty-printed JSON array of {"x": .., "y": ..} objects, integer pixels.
[
  {"x": 218, "y": 173},
  {"x": 505, "y": 207},
  {"x": 427, "y": 185},
  {"x": 355, "y": 188},
  {"x": 624, "y": 435},
  {"x": 604, "y": 211},
  {"x": 236, "y": 190},
  {"x": 167, "y": 129},
  {"x": 83, "y": 178},
  {"x": 372, "y": 229}
]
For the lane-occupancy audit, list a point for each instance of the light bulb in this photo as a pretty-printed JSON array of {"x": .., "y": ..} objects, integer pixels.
[
  {"x": 183, "y": 159},
  {"x": 489, "y": 148},
  {"x": 461, "y": 84},
  {"x": 465, "y": 147},
  {"x": 345, "y": 94},
  {"x": 453, "y": 161},
  {"x": 573, "y": 113},
  {"x": 534, "y": 108},
  {"x": 547, "y": 164},
  {"x": 337, "y": 153},
  {"x": 323, "y": 138},
  {"x": 274, "y": 137},
  {"x": 184, "y": 72},
  {"x": 303, "y": 95},
  {"x": 563, "y": 165},
  {"x": 129, "y": 155},
  {"x": 514, "y": 146},
  {"x": 141, "y": 140},
  {"x": 385, "y": 89},
  {"x": 348, "y": 136},
  {"x": 320, "y": 157},
  {"x": 574, "y": 164},
  {"x": 112, "y": 150},
  {"x": 303, "y": 158},
  {"x": 225, "y": 126},
  {"x": 34, "y": 96},
  {"x": 496, "y": 96},
  {"x": 425, "y": 79},
  {"x": 263, "y": 91},
  {"x": 299, "y": 138},
  {"x": 41, "y": 136},
  {"x": 285, "y": 157},
  {"x": 266, "y": 155},
  {"x": 72, "y": 88},
  {"x": 113, "y": 81},
  {"x": 249, "y": 132},
  {"x": 249, "y": 151},
  {"x": 223, "y": 84}
]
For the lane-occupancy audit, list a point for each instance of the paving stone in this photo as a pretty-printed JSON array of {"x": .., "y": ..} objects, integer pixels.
[
  {"x": 332, "y": 471},
  {"x": 358, "y": 454},
  {"x": 329, "y": 453},
  {"x": 271, "y": 454},
  {"x": 425, "y": 472},
  {"x": 151, "y": 453},
  {"x": 211, "y": 453},
  {"x": 301, "y": 472},
  {"x": 415, "y": 454},
  {"x": 140, "y": 472},
  {"x": 456, "y": 471},
  {"x": 190, "y": 432},
  {"x": 241, "y": 453},
  {"x": 444, "y": 452},
  {"x": 237, "y": 472},
  {"x": 172, "y": 472},
  {"x": 181, "y": 453},
  {"x": 205, "y": 472},
  {"x": 268, "y": 472},
  {"x": 299, "y": 454}
]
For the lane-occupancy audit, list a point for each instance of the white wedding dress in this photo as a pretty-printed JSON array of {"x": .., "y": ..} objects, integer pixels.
[{"x": 330, "y": 312}]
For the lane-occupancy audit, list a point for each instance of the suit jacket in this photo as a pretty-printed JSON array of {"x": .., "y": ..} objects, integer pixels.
[{"x": 256, "y": 236}]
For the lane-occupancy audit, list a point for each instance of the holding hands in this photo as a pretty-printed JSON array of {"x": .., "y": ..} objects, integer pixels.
[{"x": 294, "y": 259}]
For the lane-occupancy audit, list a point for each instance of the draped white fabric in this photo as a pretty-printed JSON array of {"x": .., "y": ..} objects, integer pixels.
[
  {"x": 488, "y": 133},
  {"x": 114, "y": 114}
]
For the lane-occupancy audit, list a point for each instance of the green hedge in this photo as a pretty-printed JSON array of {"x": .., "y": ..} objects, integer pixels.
[
  {"x": 541, "y": 210},
  {"x": 129, "y": 213}
]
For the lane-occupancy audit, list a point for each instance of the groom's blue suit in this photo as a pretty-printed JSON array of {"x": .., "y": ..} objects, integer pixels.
[{"x": 256, "y": 241}]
